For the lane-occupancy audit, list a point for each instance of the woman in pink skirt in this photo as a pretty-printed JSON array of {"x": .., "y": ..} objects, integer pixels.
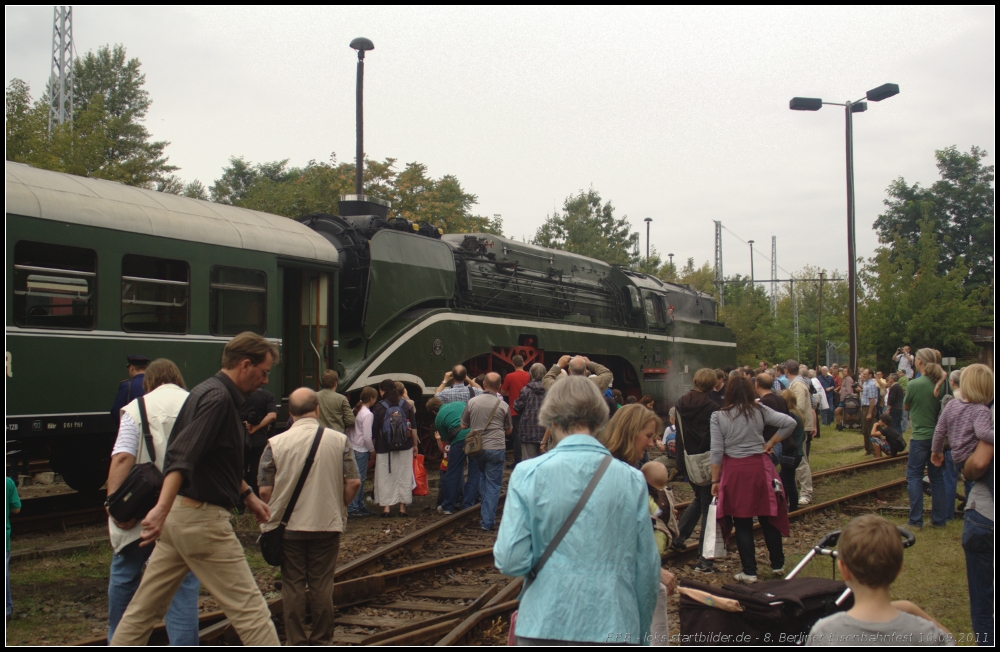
[{"x": 744, "y": 478}]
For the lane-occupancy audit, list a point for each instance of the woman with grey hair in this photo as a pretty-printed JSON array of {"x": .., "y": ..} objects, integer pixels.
[
  {"x": 600, "y": 583},
  {"x": 528, "y": 404}
]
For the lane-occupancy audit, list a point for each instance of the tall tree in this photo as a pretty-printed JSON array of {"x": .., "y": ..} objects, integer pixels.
[
  {"x": 106, "y": 139},
  {"x": 961, "y": 207},
  {"x": 908, "y": 300},
  {"x": 590, "y": 228},
  {"x": 748, "y": 313}
]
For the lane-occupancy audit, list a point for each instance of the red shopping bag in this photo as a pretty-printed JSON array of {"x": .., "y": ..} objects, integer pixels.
[{"x": 420, "y": 476}]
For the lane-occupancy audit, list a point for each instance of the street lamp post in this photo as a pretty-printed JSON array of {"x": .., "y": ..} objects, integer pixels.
[
  {"x": 884, "y": 91},
  {"x": 362, "y": 45},
  {"x": 647, "y": 221},
  {"x": 751, "y": 264}
]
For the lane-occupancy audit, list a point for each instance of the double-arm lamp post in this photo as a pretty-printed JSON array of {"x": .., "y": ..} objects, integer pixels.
[{"x": 815, "y": 104}]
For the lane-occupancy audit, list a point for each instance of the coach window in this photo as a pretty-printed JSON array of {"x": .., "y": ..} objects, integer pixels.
[
  {"x": 237, "y": 301},
  {"x": 55, "y": 286},
  {"x": 155, "y": 294}
]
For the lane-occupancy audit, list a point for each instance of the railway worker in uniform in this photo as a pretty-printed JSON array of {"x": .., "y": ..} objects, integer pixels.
[
  {"x": 334, "y": 408},
  {"x": 600, "y": 582},
  {"x": 203, "y": 483},
  {"x": 130, "y": 388},
  {"x": 489, "y": 415},
  {"x": 312, "y": 536},
  {"x": 579, "y": 366},
  {"x": 165, "y": 394}
]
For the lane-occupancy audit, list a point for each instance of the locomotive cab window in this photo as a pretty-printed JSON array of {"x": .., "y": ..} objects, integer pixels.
[
  {"x": 237, "y": 301},
  {"x": 155, "y": 294},
  {"x": 55, "y": 286},
  {"x": 656, "y": 314}
]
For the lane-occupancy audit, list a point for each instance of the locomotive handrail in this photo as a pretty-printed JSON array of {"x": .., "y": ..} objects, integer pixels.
[
  {"x": 550, "y": 257},
  {"x": 241, "y": 288},
  {"x": 143, "y": 302}
]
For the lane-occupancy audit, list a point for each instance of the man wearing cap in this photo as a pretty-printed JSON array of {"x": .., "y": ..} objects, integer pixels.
[{"x": 130, "y": 388}]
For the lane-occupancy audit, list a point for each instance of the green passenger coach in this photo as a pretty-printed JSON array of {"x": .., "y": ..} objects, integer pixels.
[{"x": 98, "y": 271}]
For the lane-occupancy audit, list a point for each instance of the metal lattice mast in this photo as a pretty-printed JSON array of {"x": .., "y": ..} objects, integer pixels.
[
  {"x": 61, "y": 78},
  {"x": 718, "y": 263},
  {"x": 774, "y": 276},
  {"x": 795, "y": 303}
]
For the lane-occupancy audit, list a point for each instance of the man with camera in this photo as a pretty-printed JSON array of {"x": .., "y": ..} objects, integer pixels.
[
  {"x": 904, "y": 360},
  {"x": 457, "y": 386}
]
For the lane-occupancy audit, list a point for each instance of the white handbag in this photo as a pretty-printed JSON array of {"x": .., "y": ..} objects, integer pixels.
[
  {"x": 699, "y": 466},
  {"x": 713, "y": 547}
]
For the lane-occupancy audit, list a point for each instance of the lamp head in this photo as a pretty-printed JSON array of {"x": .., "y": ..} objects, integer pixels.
[
  {"x": 362, "y": 45},
  {"x": 882, "y": 92},
  {"x": 805, "y": 104},
  {"x": 648, "y": 219},
  {"x": 859, "y": 107}
]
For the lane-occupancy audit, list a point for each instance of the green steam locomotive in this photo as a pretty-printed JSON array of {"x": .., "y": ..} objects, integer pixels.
[{"x": 98, "y": 271}]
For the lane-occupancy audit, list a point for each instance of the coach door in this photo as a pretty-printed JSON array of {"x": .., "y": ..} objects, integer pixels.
[{"x": 307, "y": 329}]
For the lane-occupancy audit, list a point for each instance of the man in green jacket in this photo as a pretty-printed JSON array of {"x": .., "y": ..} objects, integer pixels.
[
  {"x": 448, "y": 425},
  {"x": 334, "y": 409}
]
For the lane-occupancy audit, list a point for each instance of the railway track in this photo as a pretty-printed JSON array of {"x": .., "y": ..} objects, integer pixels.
[
  {"x": 438, "y": 585},
  {"x": 58, "y": 512}
]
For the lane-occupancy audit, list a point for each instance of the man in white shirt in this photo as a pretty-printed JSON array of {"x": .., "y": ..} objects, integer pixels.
[{"x": 905, "y": 361}]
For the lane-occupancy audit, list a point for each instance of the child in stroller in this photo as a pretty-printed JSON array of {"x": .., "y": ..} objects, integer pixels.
[{"x": 849, "y": 414}]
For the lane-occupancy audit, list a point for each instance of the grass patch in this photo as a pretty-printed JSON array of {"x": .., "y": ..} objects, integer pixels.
[{"x": 933, "y": 574}]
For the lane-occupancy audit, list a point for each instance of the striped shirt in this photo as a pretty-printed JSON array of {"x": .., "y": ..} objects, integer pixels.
[
  {"x": 964, "y": 425},
  {"x": 869, "y": 393}
]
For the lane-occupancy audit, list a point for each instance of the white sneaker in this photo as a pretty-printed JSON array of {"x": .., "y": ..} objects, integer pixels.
[
  {"x": 780, "y": 572},
  {"x": 804, "y": 501},
  {"x": 746, "y": 579}
]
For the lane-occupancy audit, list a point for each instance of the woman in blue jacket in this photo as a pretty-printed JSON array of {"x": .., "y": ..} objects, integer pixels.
[{"x": 600, "y": 584}]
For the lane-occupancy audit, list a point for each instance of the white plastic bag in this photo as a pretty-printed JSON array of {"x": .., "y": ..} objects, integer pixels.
[{"x": 714, "y": 547}]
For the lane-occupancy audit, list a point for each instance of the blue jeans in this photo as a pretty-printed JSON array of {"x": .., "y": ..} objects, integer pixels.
[
  {"x": 126, "y": 573},
  {"x": 950, "y": 486},
  {"x": 977, "y": 540},
  {"x": 917, "y": 461},
  {"x": 904, "y": 421},
  {"x": 453, "y": 479},
  {"x": 897, "y": 420},
  {"x": 358, "y": 504},
  {"x": 490, "y": 465}
]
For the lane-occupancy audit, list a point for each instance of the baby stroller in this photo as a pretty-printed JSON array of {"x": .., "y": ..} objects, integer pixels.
[
  {"x": 778, "y": 612},
  {"x": 850, "y": 413}
]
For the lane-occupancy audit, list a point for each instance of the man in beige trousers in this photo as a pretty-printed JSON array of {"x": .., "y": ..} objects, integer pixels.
[
  {"x": 312, "y": 535},
  {"x": 203, "y": 482}
]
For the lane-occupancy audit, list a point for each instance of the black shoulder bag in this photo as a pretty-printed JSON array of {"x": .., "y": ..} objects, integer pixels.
[
  {"x": 270, "y": 542},
  {"x": 141, "y": 489},
  {"x": 557, "y": 539}
]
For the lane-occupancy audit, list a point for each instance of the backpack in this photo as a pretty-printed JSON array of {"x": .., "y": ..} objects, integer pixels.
[{"x": 394, "y": 427}]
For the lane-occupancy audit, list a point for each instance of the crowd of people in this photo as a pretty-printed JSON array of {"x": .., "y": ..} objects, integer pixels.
[{"x": 740, "y": 438}]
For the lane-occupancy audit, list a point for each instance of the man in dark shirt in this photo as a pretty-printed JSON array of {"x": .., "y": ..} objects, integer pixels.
[
  {"x": 258, "y": 415},
  {"x": 203, "y": 482}
]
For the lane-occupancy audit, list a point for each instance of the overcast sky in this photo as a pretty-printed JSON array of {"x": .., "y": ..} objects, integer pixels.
[{"x": 679, "y": 114}]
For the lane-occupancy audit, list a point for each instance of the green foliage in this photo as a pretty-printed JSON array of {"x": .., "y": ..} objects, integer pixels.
[
  {"x": 316, "y": 188},
  {"x": 699, "y": 278},
  {"x": 748, "y": 313},
  {"x": 106, "y": 138},
  {"x": 961, "y": 206},
  {"x": 588, "y": 227},
  {"x": 908, "y": 300}
]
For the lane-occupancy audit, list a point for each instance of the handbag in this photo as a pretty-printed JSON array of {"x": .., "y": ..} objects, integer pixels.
[
  {"x": 270, "y": 541},
  {"x": 698, "y": 467},
  {"x": 551, "y": 548},
  {"x": 474, "y": 440},
  {"x": 141, "y": 489}
]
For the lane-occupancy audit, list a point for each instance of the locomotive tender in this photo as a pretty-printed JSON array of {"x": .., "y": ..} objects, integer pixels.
[{"x": 98, "y": 270}]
